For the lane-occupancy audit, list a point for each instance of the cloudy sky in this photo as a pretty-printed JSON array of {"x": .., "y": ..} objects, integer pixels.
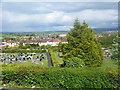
[{"x": 55, "y": 16}]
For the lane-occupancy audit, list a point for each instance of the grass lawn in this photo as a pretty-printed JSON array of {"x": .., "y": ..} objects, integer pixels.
[
  {"x": 56, "y": 59},
  {"x": 109, "y": 63},
  {"x": 43, "y": 63}
]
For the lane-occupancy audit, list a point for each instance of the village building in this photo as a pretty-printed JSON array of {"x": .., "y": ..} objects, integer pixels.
[
  {"x": 52, "y": 42},
  {"x": 8, "y": 44}
]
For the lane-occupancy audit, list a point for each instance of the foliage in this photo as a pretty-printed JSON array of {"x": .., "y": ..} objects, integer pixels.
[
  {"x": 27, "y": 77},
  {"x": 26, "y": 46},
  {"x": 116, "y": 47},
  {"x": 107, "y": 41},
  {"x": 74, "y": 62},
  {"x": 111, "y": 43},
  {"x": 21, "y": 51},
  {"x": 83, "y": 45}
]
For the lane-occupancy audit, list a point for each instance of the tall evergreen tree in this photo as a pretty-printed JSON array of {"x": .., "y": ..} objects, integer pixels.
[{"x": 82, "y": 46}]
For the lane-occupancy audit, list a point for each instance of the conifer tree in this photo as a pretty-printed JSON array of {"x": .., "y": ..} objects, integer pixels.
[{"x": 82, "y": 48}]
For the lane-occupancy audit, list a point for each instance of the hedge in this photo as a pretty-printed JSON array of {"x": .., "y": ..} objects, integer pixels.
[
  {"x": 60, "y": 78},
  {"x": 22, "y": 50}
]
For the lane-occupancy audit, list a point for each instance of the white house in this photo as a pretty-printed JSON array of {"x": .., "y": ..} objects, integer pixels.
[
  {"x": 9, "y": 44},
  {"x": 53, "y": 42},
  {"x": 62, "y": 35}
]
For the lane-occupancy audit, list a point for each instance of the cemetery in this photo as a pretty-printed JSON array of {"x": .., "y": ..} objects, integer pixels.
[{"x": 11, "y": 58}]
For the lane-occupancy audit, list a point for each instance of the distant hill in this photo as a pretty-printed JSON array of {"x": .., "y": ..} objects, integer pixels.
[
  {"x": 60, "y": 31},
  {"x": 104, "y": 29}
]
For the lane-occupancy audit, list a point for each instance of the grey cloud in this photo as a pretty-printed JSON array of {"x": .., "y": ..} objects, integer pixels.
[
  {"x": 77, "y": 7},
  {"x": 29, "y": 7},
  {"x": 24, "y": 7},
  {"x": 55, "y": 16}
]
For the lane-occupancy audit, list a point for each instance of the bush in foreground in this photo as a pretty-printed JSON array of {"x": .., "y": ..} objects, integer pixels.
[{"x": 24, "y": 77}]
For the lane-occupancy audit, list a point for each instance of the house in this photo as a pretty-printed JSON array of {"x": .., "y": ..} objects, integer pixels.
[
  {"x": 62, "y": 35},
  {"x": 24, "y": 42},
  {"x": 8, "y": 43},
  {"x": 43, "y": 43},
  {"x": 54, "y": 42}
]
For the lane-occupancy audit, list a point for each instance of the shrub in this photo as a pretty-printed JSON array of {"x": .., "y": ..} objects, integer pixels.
[
  {"x": 74, "y": 62},
  {"x": 60, "y": 78}
]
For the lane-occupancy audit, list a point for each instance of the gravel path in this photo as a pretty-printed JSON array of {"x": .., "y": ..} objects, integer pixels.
[{"x": 49, "y": 58}]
